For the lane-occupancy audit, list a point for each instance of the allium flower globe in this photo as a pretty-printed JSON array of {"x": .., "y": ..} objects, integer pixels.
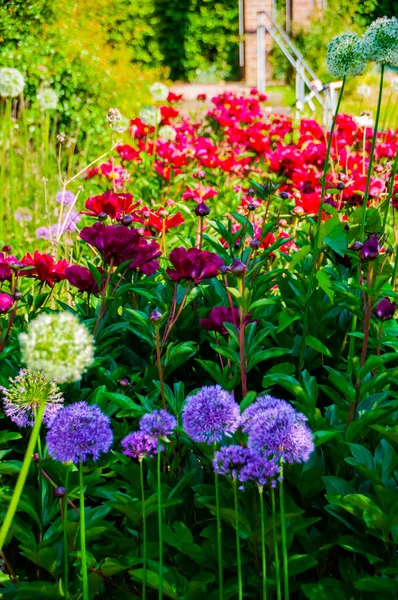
[
  {"x": 47, "y": 99},
  {"x": 58, "y": 345},
  {"x": 167, "y": 133},
  {"x": 210, "y": 414},
  {"x": 268, "y": 408},
  {"x": 261, "y": 470},
  {"x": 230, "y": 460},
  {"x": 364, "y": 91},
  {"x": 380, "y": 41},
  {"x": 139, "y": 445},
  {"x": 159, "y": 91},
  {"x": 65, "y": 197},
  {"x": 150, "y": 115},
  {"x": 12, "y": 82},
  {"x": 78, "y": 432},
  {"x": 344, "y": 56},
  {"x": 158, "y": 424},
  {"x": 24, "y": 395}
]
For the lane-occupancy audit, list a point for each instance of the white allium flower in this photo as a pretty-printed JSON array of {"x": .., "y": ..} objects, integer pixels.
[
  {"x": 47, "y": 98},
  {"x": 58, "y": 345},
  {"x": 380, "y": 41},
  {"x": 12, "y": 82},
  {"x": 364, "y": 91},
  {"x": 150, "y": 115},
  {"x": 365, "y": 119},
  {"x": 159, "y": 91},
  {"x": 345, "y": 56},
  {"x": 167, "y": 133},
  {"x": 394, "y": 85}
]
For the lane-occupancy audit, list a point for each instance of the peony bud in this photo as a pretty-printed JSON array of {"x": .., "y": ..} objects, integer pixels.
[
  {"x": 385, "y": 309},
  {"x": 5, "y": 303},
  {"x": 238, "y": 268},
  {"x": 202, "y": 210},
  {"x": 155, "y": 316},
  {"x": 59, "y": 491},
  {"x": 124, "y": 382}
]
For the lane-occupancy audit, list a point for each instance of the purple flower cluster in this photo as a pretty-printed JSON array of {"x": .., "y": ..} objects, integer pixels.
[
  {"x": 276, "y": 428},
  {"x": 145, "y": 443},
  {"x": 158, "y": 424},
  {"x": 210, "y": 414},
  {"x": 78, "y": 432},
  {"x": 230, "y": 460},
  {"x": 139, "y": 445},
  {"x": 260, "y": 470}
]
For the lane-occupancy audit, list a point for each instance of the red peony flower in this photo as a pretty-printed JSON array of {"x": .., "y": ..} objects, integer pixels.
[
  {"x": 44, "y": 267},
  {"x": 127, "y": 152},
  {"x": 112, "y": 204},
  {"x": 172, "y": 97},
  {"x": 193, "y": 264},
  {"x": 164, "y": 223}
]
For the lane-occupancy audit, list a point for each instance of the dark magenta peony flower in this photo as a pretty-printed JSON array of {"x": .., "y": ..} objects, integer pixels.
[
  {"x": 82, "y": 278},
  {"x": 370, "y": 249},
  {"x": 385, "y": 309},
  {"x": 193, "y": 264},
  {"x": 220, "y": 315},
  {"x": 5, "y": 303},
  {"x": 120, "y": 244}
]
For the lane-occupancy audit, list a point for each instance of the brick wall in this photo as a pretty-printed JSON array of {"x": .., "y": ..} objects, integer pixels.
[{"x": 302, "y": 12}]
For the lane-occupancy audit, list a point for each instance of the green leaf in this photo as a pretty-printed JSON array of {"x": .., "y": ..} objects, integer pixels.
[
  {"x": 376, "y": 584},
  {"x": 315, "y": 344}
]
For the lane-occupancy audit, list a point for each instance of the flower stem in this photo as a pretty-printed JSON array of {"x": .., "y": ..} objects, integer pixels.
[
  {"x": 66, "y": 547},
  {"x": 372, "y": 151},
  {"x": 263, "y": 554},
  {"x": 283, "y": 532},
  {"x": 143, "y": 530},
  {"x": 219, "y": 535},
  {"x": 317, "y": 233},
  {"x": 276, "y": 552},
  {"x": 22, "y": 475},
  {"x": 238, "y": 553},
  {"x": 159, "y": 366},
  {"x": 390, "y": 191},
  {"x": 83, "y": 536},
  {"x": 160, "y": 596}
]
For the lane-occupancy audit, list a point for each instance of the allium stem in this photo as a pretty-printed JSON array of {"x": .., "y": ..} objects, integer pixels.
[
  {"x": 219, "y": 534},
  {"x": 263, "y": 553},
  {"x": 40, "y": 454},
  {"x": 283, "y": 532},
  {"x": 372, "y": 152},
  {"x": 160, "y": 522},
  {"x": 144, "y": 552},
  {"x": 276, "y": 551},
  {"x": 317, "y": 233},
  {"x": 64, "y": 501},
  {"x": 238, "y": 553},
  {"x": 22, "y": 475},
  {"x": 83, "y": 536},
  {"x": 159, "y": 366},
  {"x": 101, "y": 311},
  {"x": 390, "y": 191}
]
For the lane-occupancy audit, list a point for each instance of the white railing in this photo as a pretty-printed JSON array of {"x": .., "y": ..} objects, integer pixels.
[{"x": 309, "y": 89}]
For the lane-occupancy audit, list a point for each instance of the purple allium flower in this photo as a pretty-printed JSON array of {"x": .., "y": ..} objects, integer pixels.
[
  {"x": 209, "y": 414},
  {"x": 69, "y": 222},
  {"x": 260, "y": 469},
  {"x": 23, "y": 215},
  {"x": 77, "y": 432},
  {"x": 158, "y": 424},
  {"x": 370, "y": 249},
  {"x": 24, "y": 395},
  {"x": 285, "y": 435},
  {"x": 43, "y": 233},
  {"x": 385, "y": 309},
  {"x": 268, "y": 408},
  {"x": 65, "y": 197},
  {"x": 139, "y": 445},
  {"x": 230, "y": 460}
]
